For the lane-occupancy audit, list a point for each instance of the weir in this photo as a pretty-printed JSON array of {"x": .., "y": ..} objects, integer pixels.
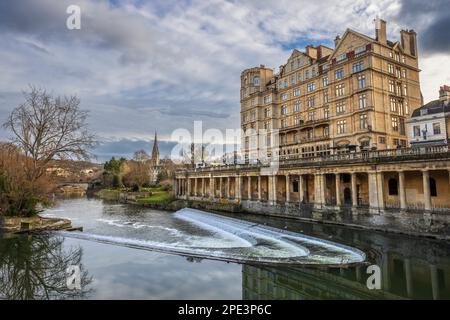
[{"x": 206, "y": 235}]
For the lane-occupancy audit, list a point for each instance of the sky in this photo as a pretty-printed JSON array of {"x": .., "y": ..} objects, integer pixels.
[{"x": 140, "y": 66}]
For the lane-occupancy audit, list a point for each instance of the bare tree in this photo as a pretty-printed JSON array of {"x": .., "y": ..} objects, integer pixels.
[
  {"x": 47, "y": 128},
  {"x": 141, "y": 155}
]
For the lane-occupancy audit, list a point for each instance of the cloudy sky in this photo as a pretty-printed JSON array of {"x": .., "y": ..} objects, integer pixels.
[{"x": 140, "y": 66}]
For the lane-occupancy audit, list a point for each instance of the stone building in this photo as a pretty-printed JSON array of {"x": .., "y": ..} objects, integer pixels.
[
  {"x": 340, "y": 118},
  {"x": 430, "y": 124},
  {"x": 354, "y": 96}
]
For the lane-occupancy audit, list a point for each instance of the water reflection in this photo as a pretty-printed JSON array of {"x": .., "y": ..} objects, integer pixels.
[
  {"x": 34, "y": 267},
  {"x": 411, "y": 268}
]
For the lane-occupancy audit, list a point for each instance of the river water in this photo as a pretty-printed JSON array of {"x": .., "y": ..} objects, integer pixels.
[{"x": 128, "y": 252}]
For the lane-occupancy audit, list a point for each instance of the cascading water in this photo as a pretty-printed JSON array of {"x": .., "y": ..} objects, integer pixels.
[{"x": 197, "y": 233}]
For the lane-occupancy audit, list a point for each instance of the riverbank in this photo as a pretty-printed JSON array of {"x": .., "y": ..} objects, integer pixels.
[{"x": 33, "y": 224}]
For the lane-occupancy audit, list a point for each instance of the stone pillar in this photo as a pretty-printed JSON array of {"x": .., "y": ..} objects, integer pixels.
[
  {"x": 354, "y": 190},
  {"x": 374, "y": 206},
  {"x": 288, "y": 191},
  {"x": 274, "y": 185},
  {"x": 249, "y": 188},
  {"x": 380, "y": 190},
  {"x": 228, "y": 187},
  {"x": 259, "y": 188},
  {"x": 401, "y": 190},
  {"x": 338, "y": 188},
  {"x": 188, "y": 187},
  {"x": 212, "y": 188},
  {"x": 426, "y": 190},
  {"x": 238, "y": 186},
  {"x": 319, "y": 191},
  {"x": 220, "y": 187},
  {"x": 195, "y": 187},
  {"x": 301, "y": 192},
  {"x": 203, "y": 187}
]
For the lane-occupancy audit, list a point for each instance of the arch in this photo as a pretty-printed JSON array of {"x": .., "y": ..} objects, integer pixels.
[
  {"x": 393, "y": 187},
  {"x": 433, "y": 187}
]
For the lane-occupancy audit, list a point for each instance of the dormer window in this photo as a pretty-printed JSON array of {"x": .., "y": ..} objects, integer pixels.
[
  {"x": 256, "y": 81},
  {"x": 341, "y": 57}
]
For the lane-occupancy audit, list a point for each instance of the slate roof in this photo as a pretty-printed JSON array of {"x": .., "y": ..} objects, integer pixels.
[{"x": 433, "y": 107}]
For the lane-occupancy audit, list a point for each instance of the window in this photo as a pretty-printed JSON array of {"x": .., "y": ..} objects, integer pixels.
[
  {"x": 390, "y": 68},
  {"x": 340, "y": 90},
  {"x": 358, "y": 66},
  {"x": 297, "y": 120},
  {"x": 326, "y": 113},
  {"x": 403, "y": 59},
  {"x": 311, "y": 87},
  {"x": 299, "y": 77},
  {"x": 307, "y": 74},
  {"x": 285, "y": 83},
  {"x": 267, "y": 112},
  {"x": 382, "y": 140},
  {"x": 398, "y": 72},
  {"x": 436, "y": 128},
  {"x": 393, "y": 105},
  {"x": 341, "y": 57},
  {"x": 311, "y": 101},
  {"x": 404, "y": 73},
  {"x": 391, "y": 86},
  {"x": 309, "y": 133},
  {"x": 338, "y": 74},
  {"x": 267, "y": 99},
  {"x": 292, "y": 65},
  {"x": 394, "y": 121},
  {"x": 280, "y": 84},
  {"x": 416, "y": 131},
  {"x": 341, "y": 126},
  {"x": 361, "y": 81},
  {"x": 402, "y": 126},
  {"x": 284, "y": 110},
  {"x": 299, "y": 63},
  {"x": 405, "y": 91},
  {"x": 311, "y": 116},
  {"x": 326, "y": 131},
  {"x": 325, "y": 97},
  {"x": 283, "y": 96},
  {"x": 360, "y": 50},
  {"x": 325, "y": 81},
  {"x": 363, "y": 121},
  {"x": 284, "y": 123},
  {"x": 297, "y": 106},
  {"x": 340, "y": 107},
  {"x": 296, "y": 92},
  {"x": 362, "y": 101},
  {"x": 393, "y": 187},
  {"x": 292, "y": 80},
  {"x": 313, "y": 72},
  {"x": 256, "y": 81},
  {"x": 365, "y": 144}
]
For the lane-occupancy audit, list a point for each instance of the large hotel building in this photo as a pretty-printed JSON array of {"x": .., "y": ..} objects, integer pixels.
[{"x": 355, "y": 96}]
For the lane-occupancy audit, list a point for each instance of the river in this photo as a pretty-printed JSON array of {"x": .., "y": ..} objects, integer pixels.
[{"x": 128, "y": 252}]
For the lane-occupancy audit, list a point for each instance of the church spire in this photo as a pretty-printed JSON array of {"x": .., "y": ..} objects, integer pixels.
[{"x": 155, "y": 150}]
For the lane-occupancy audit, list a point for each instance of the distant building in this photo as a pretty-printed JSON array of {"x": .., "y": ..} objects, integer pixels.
[
  {"x": 430, "y": 124},
  {"x": 155, "y": 166}
]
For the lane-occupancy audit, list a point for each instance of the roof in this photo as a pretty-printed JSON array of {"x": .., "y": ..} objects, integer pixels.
[{"x": 433, "y": 107}]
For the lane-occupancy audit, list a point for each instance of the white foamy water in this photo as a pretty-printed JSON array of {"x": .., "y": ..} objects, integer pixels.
[{"x": 197, "y": 233}]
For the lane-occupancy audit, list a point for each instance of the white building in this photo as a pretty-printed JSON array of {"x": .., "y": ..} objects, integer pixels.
[{"x": 430, "y": 124}]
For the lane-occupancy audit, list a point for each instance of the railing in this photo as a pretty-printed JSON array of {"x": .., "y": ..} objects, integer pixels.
[{"x": 372, "y": 156}]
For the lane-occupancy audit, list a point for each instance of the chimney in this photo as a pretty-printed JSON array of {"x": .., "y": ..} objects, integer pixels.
[
  {"x": 311, "y": 51},
  {"x": 336, "y": 41},
  {"x": 408, "y": 39},
  {"x": 380, "y": 31},
  {"x": 444, "y": 93}
]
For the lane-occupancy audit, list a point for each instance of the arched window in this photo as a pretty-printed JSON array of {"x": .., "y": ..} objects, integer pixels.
[
  {"x": 433, "y": 189},
  {"x": 393, "y": 187}
]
